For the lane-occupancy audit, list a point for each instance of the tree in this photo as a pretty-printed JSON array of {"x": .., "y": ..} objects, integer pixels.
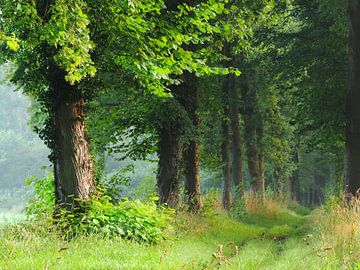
[
  {"x": 352, "y": 106},
  {"x": 188, "y": 96},
  {"x": 53, "y": 56},
  {"x": 236, "y": 140},
  {"x": 225, "y": 147}
]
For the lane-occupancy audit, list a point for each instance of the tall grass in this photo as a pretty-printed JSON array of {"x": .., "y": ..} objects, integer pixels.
[
  {"x": 263, "y": 238},
  {"x": 263, "y": 206},
  {"x": 339, "y": 228}
]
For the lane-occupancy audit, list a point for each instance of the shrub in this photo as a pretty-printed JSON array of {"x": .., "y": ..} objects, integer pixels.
[
  {"x": 210, "y": 203},
  {"x": 134, "y": 220},
  {"x": 42, "y": 203}
]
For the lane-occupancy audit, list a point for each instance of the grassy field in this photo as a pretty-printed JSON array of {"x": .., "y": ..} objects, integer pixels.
[{"x": 281, "y": 240}]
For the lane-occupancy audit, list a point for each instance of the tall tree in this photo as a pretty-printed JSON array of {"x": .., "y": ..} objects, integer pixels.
[
  {"x": 236, "y": 140},
  {"x": 49, "y": 65},
  {"x": 188, "y": 96}
]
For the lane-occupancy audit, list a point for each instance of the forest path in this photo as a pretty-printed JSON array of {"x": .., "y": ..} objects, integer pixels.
[
  {"x": 280, "y": 241},
  {"x": 284, "y": 241}
]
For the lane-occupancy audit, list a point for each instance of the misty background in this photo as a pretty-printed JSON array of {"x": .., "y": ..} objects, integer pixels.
[{"x": 22, "y": 153}]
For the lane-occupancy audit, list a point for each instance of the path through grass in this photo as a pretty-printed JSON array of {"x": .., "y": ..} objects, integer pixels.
[{"x": 219, "y": 242}]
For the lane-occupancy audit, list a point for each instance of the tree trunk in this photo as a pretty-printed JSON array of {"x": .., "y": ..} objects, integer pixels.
[
  {"x": 188, "y": 96},
  {"x": 73, "y": 166},
  {"x": 352, "y": 147},
  {"x": 225, "y": 148},
  {"x": 236, "y": 142},
  {"x": 261, "y": 162},
  {"x": 192, "y": 176},
  {"x": 253, "y": 138},
  {"x": 225, "y": 153},
  {"x": 168, "y": 178},
  {"x": 251, "y": 151},
  {"x": 237, "y": 168}
]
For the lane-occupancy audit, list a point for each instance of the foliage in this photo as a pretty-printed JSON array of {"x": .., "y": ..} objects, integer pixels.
[
  {"x": 145, "y": 190},
  {"x": 133, "y": 220},
  {"x": 114, "y": 183},
  {"x": 42, "y": 203},
  {"x": 210, "y": 204}
]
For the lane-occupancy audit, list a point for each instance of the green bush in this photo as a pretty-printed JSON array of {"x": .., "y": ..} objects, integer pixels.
[
  {"x": 43, "y": 201},
  {"x": 210, "y": 203},
  {"x": 133, "y": 220}
]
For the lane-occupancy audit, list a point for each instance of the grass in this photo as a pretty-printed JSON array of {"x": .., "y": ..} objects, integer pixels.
[{"x": 281, "y": 239}]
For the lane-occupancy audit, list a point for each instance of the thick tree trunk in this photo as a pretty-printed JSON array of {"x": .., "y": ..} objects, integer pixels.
[
  {"x": 248, "y": 100},
  {"x": 236, "y": 141},
  {"x": 73, "y": 166},
  {"x": 170, "y": 151},
  {"x": 187, "y": 95},
  {"x": 254, "y": 139},
  {"x": 237, "y": 168},
  {"x": 192, "y": 176},
  {"x": 352, "y": 148}
]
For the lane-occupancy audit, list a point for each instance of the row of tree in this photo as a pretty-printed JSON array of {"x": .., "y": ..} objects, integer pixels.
[{"x": 230, "y": 81}]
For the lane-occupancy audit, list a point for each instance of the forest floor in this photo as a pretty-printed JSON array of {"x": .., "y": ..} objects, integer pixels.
[{"x": 285, "y": 239}]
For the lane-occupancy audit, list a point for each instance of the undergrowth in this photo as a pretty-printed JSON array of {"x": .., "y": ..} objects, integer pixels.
[
  {"x": 133, "y": 220},
  {"x": 267, "y": 235},
  {"x": 338, "y": 225}
]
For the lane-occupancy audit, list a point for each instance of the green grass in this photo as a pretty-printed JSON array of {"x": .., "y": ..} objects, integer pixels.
[{"x": 272, "y": 243}]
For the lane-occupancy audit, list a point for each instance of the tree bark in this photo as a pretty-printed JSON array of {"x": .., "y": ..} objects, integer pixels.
[
  {"x": 189, "y": 98},
  {"x": 192, "y": 176},
  {"x": 236, "y": 141},
  {"x": 261, "y": 162},
  {"x": 225, "y": 149},
  {"x": 253, "y": 138},
  {"x": 352, "y": 146},
  {"x": 225, "y": 153},
  {"x": 168, "y": 178},
  {"x": 250, "y": 137},
  {"x": 73, "y": 165},
  {"x": 251, "y": 153}
]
